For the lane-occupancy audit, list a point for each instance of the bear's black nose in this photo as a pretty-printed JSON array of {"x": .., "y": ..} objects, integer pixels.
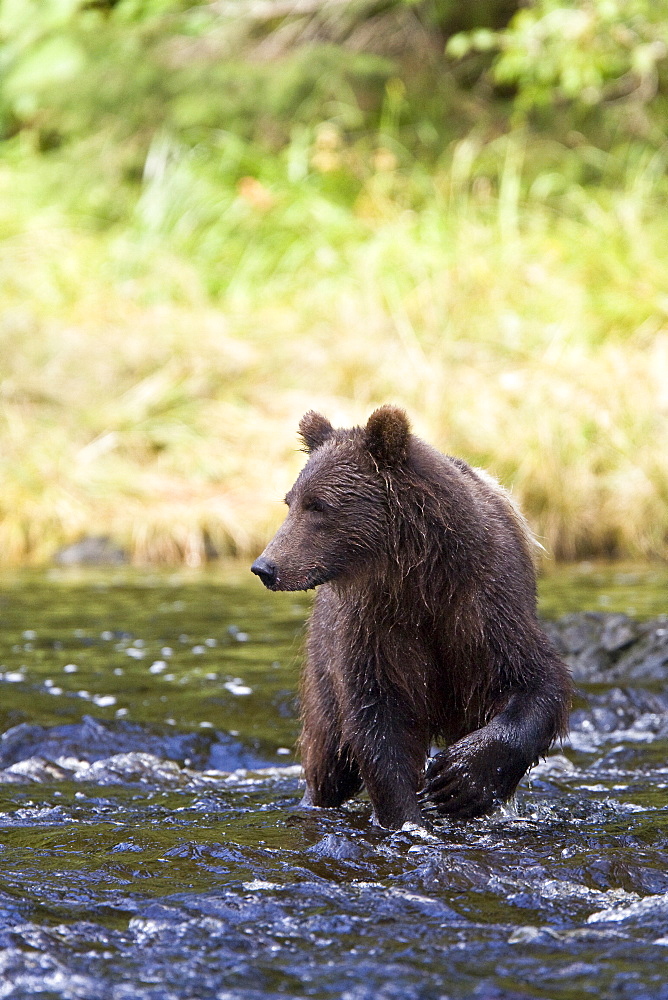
[{"x": 266, "y": 570}]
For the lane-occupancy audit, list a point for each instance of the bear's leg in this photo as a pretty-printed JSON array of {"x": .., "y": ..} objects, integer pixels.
[
  {"x": 393, "y": 796},
  {"x": 332, "y": 776},
  {"x": 482, "y": 770},
  {"x": 390, "y": 749},
  {"x": 331, "y": 772}
]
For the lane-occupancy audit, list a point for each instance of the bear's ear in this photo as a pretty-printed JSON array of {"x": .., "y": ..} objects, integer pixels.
[
  {"x": 387, "y": 435},
  {"x": 314, "y": 430}
]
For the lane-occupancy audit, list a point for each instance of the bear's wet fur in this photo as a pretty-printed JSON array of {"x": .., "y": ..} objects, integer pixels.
[{"x": 423, "y": 628}]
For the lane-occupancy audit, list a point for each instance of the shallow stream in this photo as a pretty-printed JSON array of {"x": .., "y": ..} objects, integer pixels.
[{"x": 152, "y": 846}]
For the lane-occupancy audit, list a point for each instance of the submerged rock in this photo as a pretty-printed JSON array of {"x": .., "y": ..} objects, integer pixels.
[
  {"x": 92, "y": 740},
  {"x": 93, "y": 550},
  {"x": 609, "y": 648},
  {"x": 626, "y": 658}
]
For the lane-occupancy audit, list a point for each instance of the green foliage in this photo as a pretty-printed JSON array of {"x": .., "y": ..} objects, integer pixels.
[
  {"x": 70, "y": 69},
  {"x": 583, "y": 51},
  {"x": 154, "y": 371},
  {"x": 212, "y": 220}
]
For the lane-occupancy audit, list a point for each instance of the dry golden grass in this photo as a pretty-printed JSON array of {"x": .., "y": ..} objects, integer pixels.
[{"x": 528, "y": 335}]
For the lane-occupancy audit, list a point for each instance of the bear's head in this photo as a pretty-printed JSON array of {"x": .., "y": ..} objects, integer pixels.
[{"x": 339, "y": 508}]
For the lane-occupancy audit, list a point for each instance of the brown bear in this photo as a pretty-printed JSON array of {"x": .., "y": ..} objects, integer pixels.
[{"x": 423, "y": 628}]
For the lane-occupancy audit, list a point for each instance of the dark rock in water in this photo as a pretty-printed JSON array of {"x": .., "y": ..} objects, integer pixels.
[
  {"x": 610, "y": 648},
  {"x": 619, "y": 632},
  {"x": 96, "y": 550},
  {"x": 647, "y": 659},
  {"x": 337, "y": 847},
  {"x": 579, "y": 632},
  {"x": 621, "y": 709},
  {"x": 92, "y": 740}
]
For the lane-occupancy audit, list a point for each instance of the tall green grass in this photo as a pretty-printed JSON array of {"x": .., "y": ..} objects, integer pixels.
[{"x": 154, "y": 368}]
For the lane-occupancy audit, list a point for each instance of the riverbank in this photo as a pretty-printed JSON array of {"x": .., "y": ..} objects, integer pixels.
[
  {"x": 525, "y": 334},
  {"x": 231, "y": 225}
]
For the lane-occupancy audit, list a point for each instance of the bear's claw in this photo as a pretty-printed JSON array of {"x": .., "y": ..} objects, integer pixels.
[
  {"x": 461, "y": 800},
  {"x": 465, "y": 780}
]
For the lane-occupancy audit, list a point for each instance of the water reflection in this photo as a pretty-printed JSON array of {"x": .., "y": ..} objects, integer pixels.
[{"x": 152, "y": 845}]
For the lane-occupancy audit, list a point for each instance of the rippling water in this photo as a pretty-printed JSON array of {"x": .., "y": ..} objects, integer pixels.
[{"x": 151, "y": 843}]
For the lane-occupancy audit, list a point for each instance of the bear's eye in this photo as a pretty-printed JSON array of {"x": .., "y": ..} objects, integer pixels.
[{"x": 314, "y": 504}]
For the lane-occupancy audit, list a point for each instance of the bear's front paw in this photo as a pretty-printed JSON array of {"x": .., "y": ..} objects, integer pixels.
[{"x": 473, "y": 776}]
